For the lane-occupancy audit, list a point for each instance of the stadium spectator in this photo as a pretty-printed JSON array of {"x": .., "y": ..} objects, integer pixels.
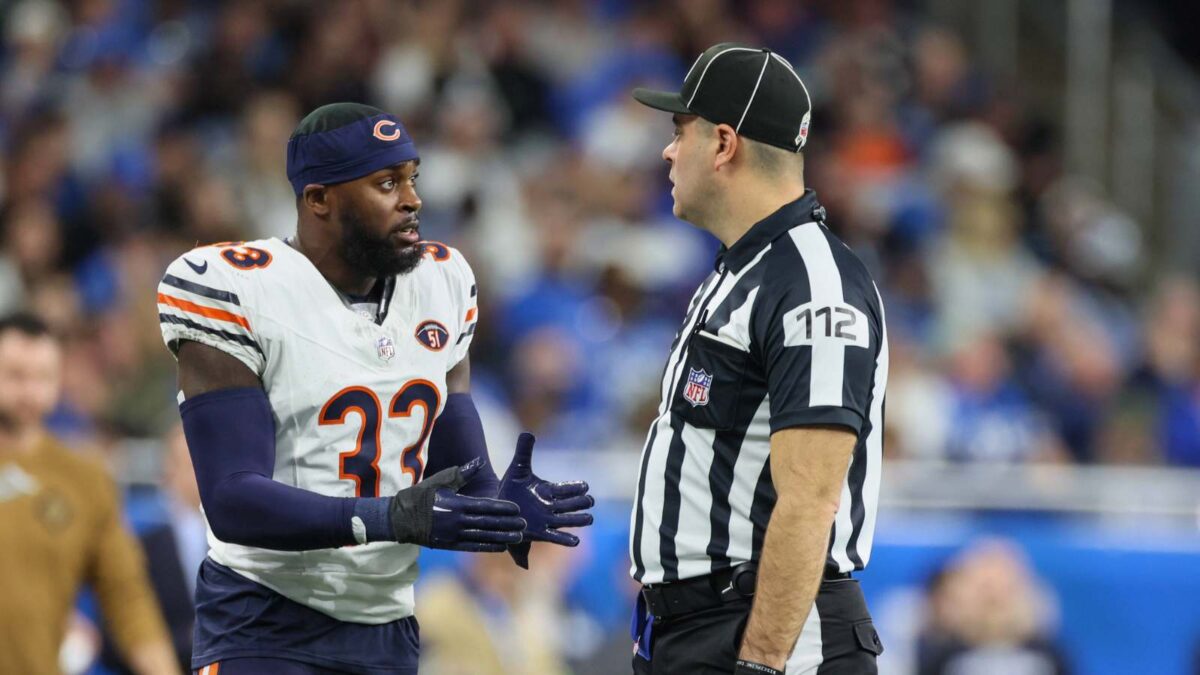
[
  {"x": 61, "y": 511},
  {"x": 988, "y": 614},
  {"x": 174, "y": 544}
]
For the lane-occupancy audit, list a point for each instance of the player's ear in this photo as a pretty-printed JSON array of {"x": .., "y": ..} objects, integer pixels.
[
  {"x": 316, "y": 199},
  {"x": 727, "y": 146}
]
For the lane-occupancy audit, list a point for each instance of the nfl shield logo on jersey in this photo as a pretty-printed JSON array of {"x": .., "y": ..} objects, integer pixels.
[
  {"x": 698, "y": 384},
  {"x": 386, "y": 348}
]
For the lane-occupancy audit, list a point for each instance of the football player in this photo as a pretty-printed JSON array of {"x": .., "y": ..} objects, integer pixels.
[{"x": 324, "y": 390}]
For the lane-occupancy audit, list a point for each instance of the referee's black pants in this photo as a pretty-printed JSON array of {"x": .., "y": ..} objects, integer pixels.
[{"x": 839, "y": 640}]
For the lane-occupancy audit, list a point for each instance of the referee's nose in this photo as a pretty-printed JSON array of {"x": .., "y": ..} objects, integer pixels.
[{"x": 668, "y": 152}]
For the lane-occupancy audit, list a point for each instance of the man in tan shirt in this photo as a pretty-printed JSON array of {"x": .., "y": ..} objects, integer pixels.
[{"x": 60, "y": 525}]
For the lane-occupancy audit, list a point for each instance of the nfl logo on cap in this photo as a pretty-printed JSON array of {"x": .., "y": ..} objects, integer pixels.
[
  {"x": 386, "y": 348},
  {"x": 753, "y": 90},
  {"x": 698, "y": 385}
]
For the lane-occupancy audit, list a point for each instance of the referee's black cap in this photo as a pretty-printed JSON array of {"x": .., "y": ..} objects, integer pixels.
[{"x": 755, "y": 91}]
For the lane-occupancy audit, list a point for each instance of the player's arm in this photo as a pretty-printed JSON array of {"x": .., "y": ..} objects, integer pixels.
[
  {"x": 230, "y": 431},
  {"x": 816, "y": 413},
  {"x": 808, "y": 466},
  {"x": 457, "y": 437},
  {"x": 231, "y": 437}
]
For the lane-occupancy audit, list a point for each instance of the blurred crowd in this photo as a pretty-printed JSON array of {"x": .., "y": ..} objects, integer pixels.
[
  {"x": 1027, "y": 323},
  {"x": 1026, "y": 318}
]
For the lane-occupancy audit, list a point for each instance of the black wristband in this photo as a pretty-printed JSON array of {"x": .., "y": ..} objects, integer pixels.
[
  {"x": 744, "y": 667},
  {"x": 411, "y": 510},
  {"x": 411, "y": 515}
]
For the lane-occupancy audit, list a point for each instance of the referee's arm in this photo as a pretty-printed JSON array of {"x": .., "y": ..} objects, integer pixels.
[
  {"x": 819, "y": 378},
  {"x": 808, "y": 465}
]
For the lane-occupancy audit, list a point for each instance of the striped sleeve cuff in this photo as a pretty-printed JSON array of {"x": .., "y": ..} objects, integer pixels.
[
  {"x": 817, "y": 416},
  {"x": 206, "y": 310}
]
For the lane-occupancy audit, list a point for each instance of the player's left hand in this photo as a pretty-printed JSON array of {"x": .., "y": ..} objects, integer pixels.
[{"x": 545, "y": 506}]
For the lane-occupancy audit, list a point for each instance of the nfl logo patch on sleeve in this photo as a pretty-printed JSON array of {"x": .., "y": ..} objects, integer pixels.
[{"x": 698, "y": 384}]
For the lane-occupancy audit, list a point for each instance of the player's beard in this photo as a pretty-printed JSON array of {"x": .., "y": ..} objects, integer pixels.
[{"x": 374, "y": 255}]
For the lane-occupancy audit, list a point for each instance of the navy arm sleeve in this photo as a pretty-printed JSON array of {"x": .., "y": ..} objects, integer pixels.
[
  {"x": 231, "y": 438},
  {"x": 457, "y": 438}
]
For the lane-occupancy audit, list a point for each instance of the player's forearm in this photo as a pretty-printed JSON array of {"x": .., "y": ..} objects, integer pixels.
[
  {"x": 457, "y": 439},
  {"x": 153, "y": 658},
  {"x": 231, "y": 437},
  {"x": 789, "y": 576},
  {"x": 253, "y": 510}
]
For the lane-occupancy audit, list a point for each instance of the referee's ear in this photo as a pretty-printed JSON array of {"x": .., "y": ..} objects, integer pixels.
[{"x": 727, "y": 146}]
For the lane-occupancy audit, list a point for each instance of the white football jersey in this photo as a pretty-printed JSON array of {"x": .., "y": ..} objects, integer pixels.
[{"x": 354, "y": 401}]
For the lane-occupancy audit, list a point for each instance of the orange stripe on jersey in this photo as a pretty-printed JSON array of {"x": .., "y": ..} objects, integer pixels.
[
  {"x": 210, "y": 312},
  {"x": 470, "y": 314}
]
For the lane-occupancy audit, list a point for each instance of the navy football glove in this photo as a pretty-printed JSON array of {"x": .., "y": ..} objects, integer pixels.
[
  {"x": 545, "y": 506},
  {"x": 432, "y": 514}
]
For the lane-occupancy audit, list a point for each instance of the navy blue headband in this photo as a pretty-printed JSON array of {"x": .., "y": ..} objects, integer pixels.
[{"x": 348, "y": 152}]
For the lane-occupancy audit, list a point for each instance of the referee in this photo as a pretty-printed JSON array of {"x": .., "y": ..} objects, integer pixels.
[{"x": 759, "y": 479}]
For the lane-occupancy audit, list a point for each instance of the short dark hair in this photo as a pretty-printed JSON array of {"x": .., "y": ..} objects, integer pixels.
[
  {"x": 765, "y": 158},
  {"x": 773, "y": 160},
  {"x": 26, "y": 324}
]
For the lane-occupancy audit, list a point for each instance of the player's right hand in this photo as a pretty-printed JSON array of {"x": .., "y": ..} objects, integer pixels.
[{"x": 433, "y": 514}]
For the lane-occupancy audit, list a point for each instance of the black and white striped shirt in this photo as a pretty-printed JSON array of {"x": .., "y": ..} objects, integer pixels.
[{"x": 787, "y": 331}]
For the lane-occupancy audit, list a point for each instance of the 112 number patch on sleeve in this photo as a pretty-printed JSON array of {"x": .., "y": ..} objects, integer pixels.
[{"x": 810, "y": 323}]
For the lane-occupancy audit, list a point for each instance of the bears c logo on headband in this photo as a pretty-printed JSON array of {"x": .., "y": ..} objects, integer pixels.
[
  {"x": 379, "y": 133},
  {"x": 340, "y": 142}
]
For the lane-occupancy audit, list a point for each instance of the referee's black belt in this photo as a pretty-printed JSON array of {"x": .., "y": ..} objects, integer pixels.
[{"x": 674, "y": 598}]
